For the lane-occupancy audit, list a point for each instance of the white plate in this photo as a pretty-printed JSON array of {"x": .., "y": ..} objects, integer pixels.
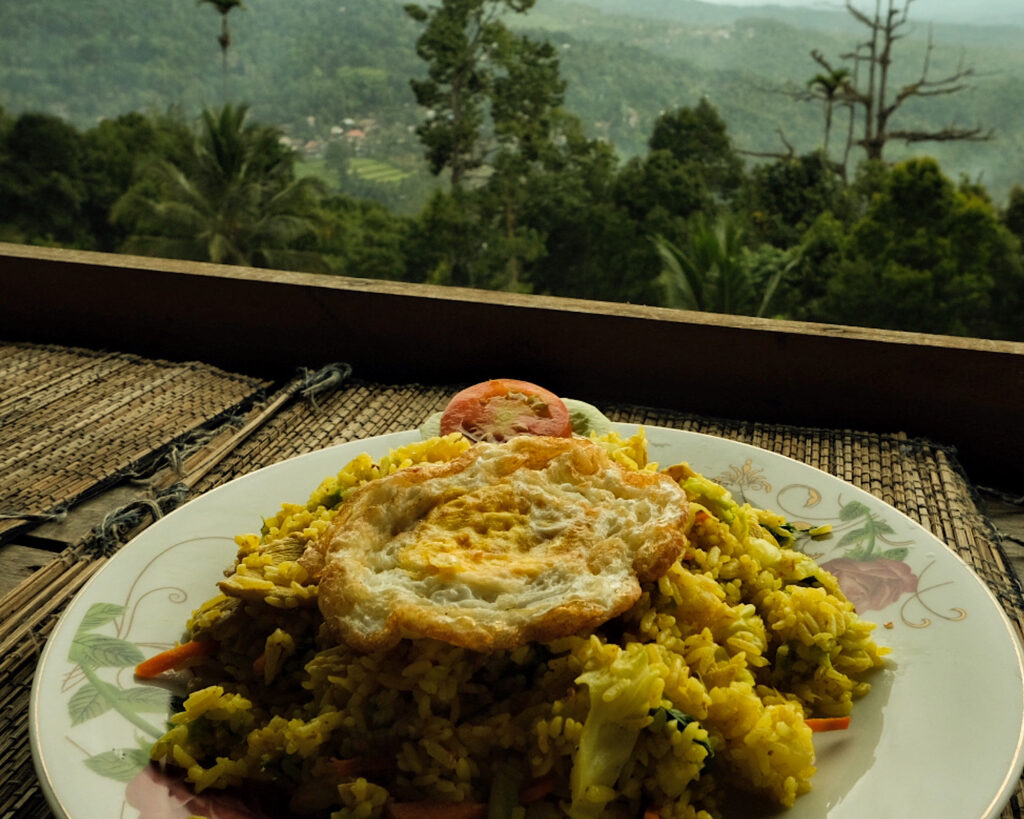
[{"x": 940, "y": 734}]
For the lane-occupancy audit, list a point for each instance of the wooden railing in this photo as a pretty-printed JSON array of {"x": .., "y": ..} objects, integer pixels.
[{"x": 968, "y": 393}]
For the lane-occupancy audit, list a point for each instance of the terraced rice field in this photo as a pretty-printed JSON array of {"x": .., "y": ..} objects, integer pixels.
[{"x": 374, "y": 170}]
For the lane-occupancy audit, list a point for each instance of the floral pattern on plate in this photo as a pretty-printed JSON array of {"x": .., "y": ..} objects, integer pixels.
[
  {"x": 93, "y": 652},
  {"x": 870, "y": 565}
]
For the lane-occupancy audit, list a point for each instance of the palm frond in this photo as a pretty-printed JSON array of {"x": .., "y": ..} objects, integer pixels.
[
  {"x": 226, "y": 197},
  {"x": 223, "y": 251},
  {"x": 679, "y": 277}
]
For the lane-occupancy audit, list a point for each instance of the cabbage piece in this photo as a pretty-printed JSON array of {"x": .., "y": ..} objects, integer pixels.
[
  {"x": 716, "y": 499},
  {"x": 622, "y": 696},
  {"x": 431, "y": 426},
  {"x": 586, "y": 419}
]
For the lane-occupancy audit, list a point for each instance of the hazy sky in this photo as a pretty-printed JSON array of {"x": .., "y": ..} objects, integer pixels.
[
  {"x": 1007, "y": 11},
  {"x": 918, "y": 5}
]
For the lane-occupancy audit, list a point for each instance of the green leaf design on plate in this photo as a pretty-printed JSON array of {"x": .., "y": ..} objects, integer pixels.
[
  {"x": 122, "y": 764},
  {"x": 91, "y": 700},
  {"x": 99, "y": 614},
  {"x": 99, "y": 651},
  {"x": 853, "y": 536},
  {"x": 896, "y": 554},
  {"x": 96, "y": 697},
  {"x": 145, "y": 699},
  {"x": 853, "y": 510}
]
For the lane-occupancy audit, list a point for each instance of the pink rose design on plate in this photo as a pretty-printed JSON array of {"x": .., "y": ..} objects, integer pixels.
[
  {"x": 872, "y": 585},
  {"x": 158, "y": 794}
]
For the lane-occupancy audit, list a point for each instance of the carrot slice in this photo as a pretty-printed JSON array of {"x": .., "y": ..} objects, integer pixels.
[
  {"x": 651, "y": 814},
  {"x": 358, "y": 766},
  {"x": 820, "y": 724},
  {"x": 173, "y": 658},
  {"x": 347, "y": 768},
  {"x": 537, "y": 789},
  {"x": 435, "y": 810}
]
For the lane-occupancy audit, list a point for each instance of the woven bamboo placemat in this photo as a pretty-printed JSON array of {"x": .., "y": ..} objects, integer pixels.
[
  {"x": 73, "y": 421},
  {"x": 920, "y": 478}
]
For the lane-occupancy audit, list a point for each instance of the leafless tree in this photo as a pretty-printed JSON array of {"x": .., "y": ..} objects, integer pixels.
[{"x": 864, "y": 85}]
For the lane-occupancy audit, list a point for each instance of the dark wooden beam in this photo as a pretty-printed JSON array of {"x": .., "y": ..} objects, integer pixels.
[{"x": 968, "y": 393}]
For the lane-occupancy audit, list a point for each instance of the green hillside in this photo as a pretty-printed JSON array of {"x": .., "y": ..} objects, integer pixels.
[{"x": 319, "y": 68}]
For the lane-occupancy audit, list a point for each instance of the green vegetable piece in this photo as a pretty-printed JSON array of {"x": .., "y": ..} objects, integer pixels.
[
  {"x": 785, "y": 534},
  {"x": 715, "y": 497},
  {"x": 621, "y": 698},
  {"x": 682, "y": 720},
  {"x": 586, "y": 418},
  {"x": 504, "y": 796},
  {"x": 431, "y": 427}
]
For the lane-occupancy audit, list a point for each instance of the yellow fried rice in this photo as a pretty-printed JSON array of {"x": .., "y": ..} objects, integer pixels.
[{"x": 702, "y": 688}]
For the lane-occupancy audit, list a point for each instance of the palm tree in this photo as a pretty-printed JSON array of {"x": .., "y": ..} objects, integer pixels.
[
  {"x": 224, "y": 7},
  {"x": 828, "y": 87},
  {"x": 709, "y": 273},
  {"x": 232, "y": 199}
]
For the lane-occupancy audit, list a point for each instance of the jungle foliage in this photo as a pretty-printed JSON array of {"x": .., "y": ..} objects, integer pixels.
[{"x": 492, "y": 178}]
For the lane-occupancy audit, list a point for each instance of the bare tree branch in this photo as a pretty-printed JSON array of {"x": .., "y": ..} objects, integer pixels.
[
  {"x": 789, "y": 154},
  {"x": 786, "y": 142},
  {"x": 861, "y": 16},
  {"x": 950, "y": 134}
]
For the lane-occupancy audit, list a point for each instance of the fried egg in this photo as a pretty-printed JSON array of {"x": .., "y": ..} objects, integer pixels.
[{"x": 527, "y": 540}]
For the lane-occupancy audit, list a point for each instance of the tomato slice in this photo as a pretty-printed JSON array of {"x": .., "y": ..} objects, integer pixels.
[{"x": 502, "y": 408}]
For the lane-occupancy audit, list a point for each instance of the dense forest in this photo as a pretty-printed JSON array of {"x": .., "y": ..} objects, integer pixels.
[{"x": 690, "y": 155}]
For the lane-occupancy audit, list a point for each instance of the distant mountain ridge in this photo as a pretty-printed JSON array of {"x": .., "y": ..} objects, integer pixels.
[
  {"x": 976, "y": 12},
  {"x": 695, "y": 11}
]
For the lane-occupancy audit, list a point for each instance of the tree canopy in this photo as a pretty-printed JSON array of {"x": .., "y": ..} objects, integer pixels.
[{"x": 931, "y": 257}]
